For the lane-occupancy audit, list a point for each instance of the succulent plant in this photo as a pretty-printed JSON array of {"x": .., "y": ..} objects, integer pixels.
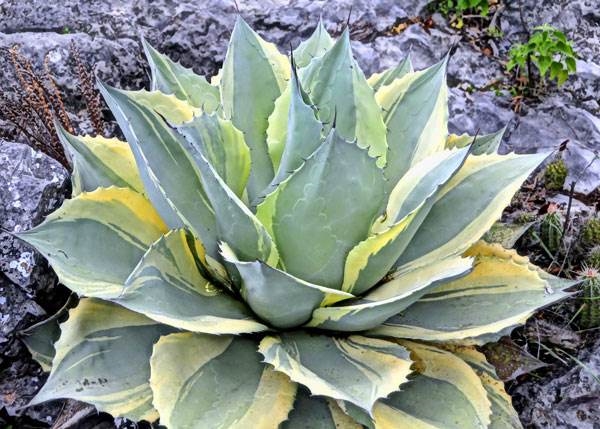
[
  {"x": 590, "y": 311},
  {"x": 590, "y": 232},
  {"x": 555, "y": 175},
  {"x": 593, "y": 257},
  {"x": 290, "y": 228},
  {"x": 525, "y": 217},
  {"x": 551, "y": 230}
]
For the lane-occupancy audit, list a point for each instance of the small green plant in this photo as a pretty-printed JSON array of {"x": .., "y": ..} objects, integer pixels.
[
  {"x": 551, "y": 231},
  {"x": 525, "y": 217},
  {"x": 549, "y": 51},
  {"x": 555, "y": 175},
  {"x": 590, "y": 311},
  {"x": 495, "y": 32},
  {"x": 274, "y": 248},
  {"x": 593, "y": 257},
  {"x": 456, "y": 9},
  {"x": 460, "y": 7},
  {"x": 590, "y": 232}
]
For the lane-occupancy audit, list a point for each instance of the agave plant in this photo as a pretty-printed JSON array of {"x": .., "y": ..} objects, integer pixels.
[{"x": 291, "y": 244}]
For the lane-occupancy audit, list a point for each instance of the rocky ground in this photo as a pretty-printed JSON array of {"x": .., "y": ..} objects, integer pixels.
[{"x": 106, "y": 32}]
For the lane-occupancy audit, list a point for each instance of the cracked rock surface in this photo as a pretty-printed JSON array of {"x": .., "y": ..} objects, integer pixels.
[
  {"x": 31, "y": 186},
  {"x": 570, "y": 400}
]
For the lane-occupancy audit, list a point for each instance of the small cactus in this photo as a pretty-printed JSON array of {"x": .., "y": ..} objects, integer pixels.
[
  {"x": 593, "y": 258},
  {"x": 590, "y": 232},
  {"x": 524, "y": 218},
  {"x": 555, "y": 175},
  {"x": 551, "y": 231},
  {"x": 590, "y": 311}
]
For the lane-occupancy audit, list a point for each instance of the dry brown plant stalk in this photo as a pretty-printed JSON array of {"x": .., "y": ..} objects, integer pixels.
[
  {"x": 90, "y": 94},
  {"x": 35, "y": 101}
]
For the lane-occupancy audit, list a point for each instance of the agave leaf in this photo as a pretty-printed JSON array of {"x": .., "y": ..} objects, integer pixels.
[
  {"x": 446, "y": 394},
  {"x": 468, "y": 205},
  {"x": 99, "y": 162},
  {"x": 269, "y": 292},
  {"x": 94, "y": 241},
  {"x": 371, "y": 259},
  {"x": 174, "y": 110},
  {"x": 317, "y": 412},
  {"x": 355, "y": 369},
  {"x": 357, "y": 414},
  {"x": 408, "y": 204},
  {"x": 40, "y": 339},
  {"x": 377, "y": 80},
  {"x": 170, "y": 77},
  {"x": 503, "y": 413},
  {"x": 312, "y": 219},
  {"x": 315, "y": 46},
  {"x": 102, "y": 358},
  {"x": 171, "y": 178},
  {"x": 510, "y": 360},
  {"x": 416, "y": 114},
  {"x": 196, "y": 377},
  {"x": 254, "y": 75},
  {"x": 237, "y": 225},
  {"x": 502, "y": 291},
  {"x": 294, "y": 132},
  {"x": 506, "y": 234},
  {"x": 278, "y": 126},
  {"x": 388, "y": 299},
  {"x": 168, "y": 287},
  {"x": 222, "y": 145},
  {"x": 486, "y": 144},
  {"x": 420, "y": 183},
  {"x": 151, "y": 187},
  {"x": 338, "y": 88}
]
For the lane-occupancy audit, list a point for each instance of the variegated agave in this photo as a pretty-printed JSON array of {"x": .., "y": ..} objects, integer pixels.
[{"x": 289, "y": 228}]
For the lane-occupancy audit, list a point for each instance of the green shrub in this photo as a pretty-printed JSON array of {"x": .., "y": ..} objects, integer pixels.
[{"x": 549, "y": 51}]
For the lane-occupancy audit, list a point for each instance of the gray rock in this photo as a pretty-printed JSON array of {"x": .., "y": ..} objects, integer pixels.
[
  {"x": 483, "y": 111},
  {"x": 539, "y": 128},
  {"x": 568, "y": 401},
  {"x": 577, "y": 207},
  {"x": 17, "y": 311},
  {"x": 471, "y": 67},
  {"x": 116, "y": 61},
  {"x": 31, "y": 186},
  {"x": 108, "y": 32},
  {"x": 425, "y": 47},
  {"x": 545, "y": 126}
]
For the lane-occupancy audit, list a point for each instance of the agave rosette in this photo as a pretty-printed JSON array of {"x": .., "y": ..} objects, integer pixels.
[{"x": 290, "y": 244}]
